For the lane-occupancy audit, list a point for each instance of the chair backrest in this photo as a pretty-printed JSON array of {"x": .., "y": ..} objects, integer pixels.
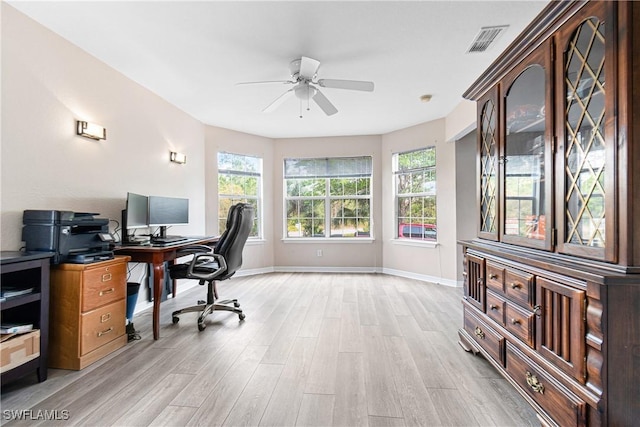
[{"x": 231, "y": 243}]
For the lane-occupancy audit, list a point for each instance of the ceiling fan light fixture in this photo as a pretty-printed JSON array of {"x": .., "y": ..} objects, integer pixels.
[{"x": 305, "y": 92}]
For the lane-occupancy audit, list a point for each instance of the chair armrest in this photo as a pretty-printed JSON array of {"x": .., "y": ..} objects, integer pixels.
[
  {"x": 222, "y": 266},
  {"x": 193, "y": 249}
]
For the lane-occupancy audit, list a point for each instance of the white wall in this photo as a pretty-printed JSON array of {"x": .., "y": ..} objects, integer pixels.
[
  {"x": 434, "y": 263},
  {"x": 353, "y": 256},
  {"x": 47, "y": 84},
  {"x": 257, "y": 255},
  {"x": 466, "y": 194}
]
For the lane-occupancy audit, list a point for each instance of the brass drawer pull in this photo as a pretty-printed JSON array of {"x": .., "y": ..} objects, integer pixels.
[
  {"x": 105, "y": 332},
  {"x": 106, "y": 277},
  {"x": 493, "y": 306},
  {"x": 534, "y": 383},
  {"x": 105, "y": 317},
  {"x": 493, "y": 276},
  {"x": 515, "y": 321},
  {"x": 515, "y": 286},
  {"x": 537, "y": 310},
  {"x": 479, "y": 333},
  {"x": 107, "y": 291}
]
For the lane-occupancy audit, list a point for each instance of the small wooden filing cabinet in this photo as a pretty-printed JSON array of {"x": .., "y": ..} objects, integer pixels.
[{"x": 88, "y": 312}]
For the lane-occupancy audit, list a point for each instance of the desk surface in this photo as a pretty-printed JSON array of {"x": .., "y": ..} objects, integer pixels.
[
  {"x": 190, "y": 240},
  {"x": 157, "y": 256}
]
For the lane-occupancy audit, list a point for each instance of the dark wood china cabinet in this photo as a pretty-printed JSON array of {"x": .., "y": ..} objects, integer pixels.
[{"x": 552, "y": 283}]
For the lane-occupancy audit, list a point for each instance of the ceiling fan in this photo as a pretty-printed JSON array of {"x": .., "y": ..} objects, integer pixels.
[{"x": 304, "y": 78}]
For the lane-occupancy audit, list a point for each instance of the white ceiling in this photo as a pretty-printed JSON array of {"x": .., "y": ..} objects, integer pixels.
[{"x": 193, "y": 53}]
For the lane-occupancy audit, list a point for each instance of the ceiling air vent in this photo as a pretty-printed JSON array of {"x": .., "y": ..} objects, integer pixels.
[{"x": 485, "y": 37}]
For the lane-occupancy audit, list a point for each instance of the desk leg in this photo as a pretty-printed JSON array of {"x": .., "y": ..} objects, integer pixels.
[
  {"x": 174, "y": 282},
  {"x": 158, "y": 280}
]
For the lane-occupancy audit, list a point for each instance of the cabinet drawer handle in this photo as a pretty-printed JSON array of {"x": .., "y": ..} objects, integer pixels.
[
  {"x": 106, "y": 277},
  {"x": 105, "y": 317},
  {"x": 534, "y": 383},
  {"x": 105, "y": 332},
  {"x": 479, "y": 333},
  {"x": 537, "y": 310},
  {"x": 107, "y": 291},
  {"x": 515, "y": 286},
  {"x": 493, "y": 276},
  {"x": 493, "y": 306},
  {"x": 515, "y": 321}
]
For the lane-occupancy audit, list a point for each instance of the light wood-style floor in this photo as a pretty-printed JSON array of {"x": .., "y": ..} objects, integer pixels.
[{"x": 314, "y": 350}]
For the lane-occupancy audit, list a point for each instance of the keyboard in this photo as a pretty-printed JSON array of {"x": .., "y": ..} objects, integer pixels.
[{"x": 168, "y": 239}]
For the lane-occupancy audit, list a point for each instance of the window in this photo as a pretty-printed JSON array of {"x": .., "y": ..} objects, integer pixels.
[
  {"x": 415, "y": 190},
  {"x": 328, "y": 197},
  {"x": 239, "y": 181}
]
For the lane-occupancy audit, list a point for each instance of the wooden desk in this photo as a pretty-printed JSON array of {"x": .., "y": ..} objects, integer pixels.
[{"x": 157, "y": 256}]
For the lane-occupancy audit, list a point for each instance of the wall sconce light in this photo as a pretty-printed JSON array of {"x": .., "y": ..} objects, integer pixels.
[
  {"x": 178, "y": 157},
  {"x": 90, "y": 130}
]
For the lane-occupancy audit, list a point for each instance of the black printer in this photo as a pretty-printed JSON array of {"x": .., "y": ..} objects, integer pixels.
[{"x": 74, "y": 237}]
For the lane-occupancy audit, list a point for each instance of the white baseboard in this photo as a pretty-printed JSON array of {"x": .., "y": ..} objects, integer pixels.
[
  {"x": 423, "y": 277},
  {"x": 253, "y": 271},
  {"x": 389, "y": 271},
  {"x": 301, "y": 269}
]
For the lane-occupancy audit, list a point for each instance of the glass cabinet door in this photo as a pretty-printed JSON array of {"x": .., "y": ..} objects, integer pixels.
[
  {"x": 586, "y": 174},
  {"x": 526, "y": 178},
  {"x": 488, "y": 148}
]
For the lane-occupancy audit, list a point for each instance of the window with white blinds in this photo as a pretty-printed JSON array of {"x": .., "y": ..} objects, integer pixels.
[{"x": 328, "y": 197}]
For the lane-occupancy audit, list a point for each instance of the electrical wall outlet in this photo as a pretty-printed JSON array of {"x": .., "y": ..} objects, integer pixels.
[{"x": 319, "y": 252}]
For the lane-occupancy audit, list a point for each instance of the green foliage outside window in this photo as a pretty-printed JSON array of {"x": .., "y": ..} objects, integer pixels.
[
  {"x": 328, "y": 197},
  {"x": 239, "y": 181}
]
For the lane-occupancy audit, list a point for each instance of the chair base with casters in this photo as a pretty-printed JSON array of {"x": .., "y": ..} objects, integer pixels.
[{"x": 212, "y": 304}]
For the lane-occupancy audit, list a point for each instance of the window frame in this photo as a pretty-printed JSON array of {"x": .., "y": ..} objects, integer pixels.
[
  {"x": 237, "y": 198},
  {"x": 396, "y": 172},
  {"x": 328, "y": 198}
]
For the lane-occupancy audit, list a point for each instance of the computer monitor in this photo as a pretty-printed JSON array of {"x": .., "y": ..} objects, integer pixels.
[
  {"x": 135, "y": 214},
  {"x": 137, "y": 210},
  {"x": 166, "y": 211}
]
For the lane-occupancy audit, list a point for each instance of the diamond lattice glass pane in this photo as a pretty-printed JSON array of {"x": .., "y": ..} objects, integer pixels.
[
  {"x": 489, "y": 161},
  {"x": 584, "y": 135}
]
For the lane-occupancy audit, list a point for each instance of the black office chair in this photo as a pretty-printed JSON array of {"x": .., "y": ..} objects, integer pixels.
[{"x": 213, "y": 265}]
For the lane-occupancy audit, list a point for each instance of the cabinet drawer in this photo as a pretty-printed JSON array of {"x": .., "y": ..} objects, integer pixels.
[
  {"x": 563, "y": 406},
  {"x": 495, "y": 307},
  {"x": 485, "y": 336},
  {"x": 495, "y": 277},
  {"x": 519, "y": 287},
  {"x": 520, "y": 323},
  {"x": 102, "y": 325},
  {"x": 103, "y": 285}
]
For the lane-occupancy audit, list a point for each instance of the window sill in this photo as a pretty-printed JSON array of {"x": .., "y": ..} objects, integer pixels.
[
  {"x": 349, "y": 240},
  {"x": 252, "y": 242},
  {"x": 417, "y": 243}
]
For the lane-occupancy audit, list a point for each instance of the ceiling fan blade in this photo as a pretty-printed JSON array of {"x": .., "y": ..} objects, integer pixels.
[
  {"x": 326, "y": 105},
  {"x": 347, "y": 84},
  {"x": 266, "y": 81},
  {"x": 278, "y": 101},
  {"x": 308, "y": 67}
]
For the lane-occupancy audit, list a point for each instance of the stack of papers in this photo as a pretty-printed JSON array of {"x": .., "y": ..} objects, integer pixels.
[
  {"x": 15, "y": 328},
  {"x": 8, "y": 291}
]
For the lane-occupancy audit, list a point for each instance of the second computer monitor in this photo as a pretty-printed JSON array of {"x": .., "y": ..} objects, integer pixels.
[{"x": 165, "y": 211}]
